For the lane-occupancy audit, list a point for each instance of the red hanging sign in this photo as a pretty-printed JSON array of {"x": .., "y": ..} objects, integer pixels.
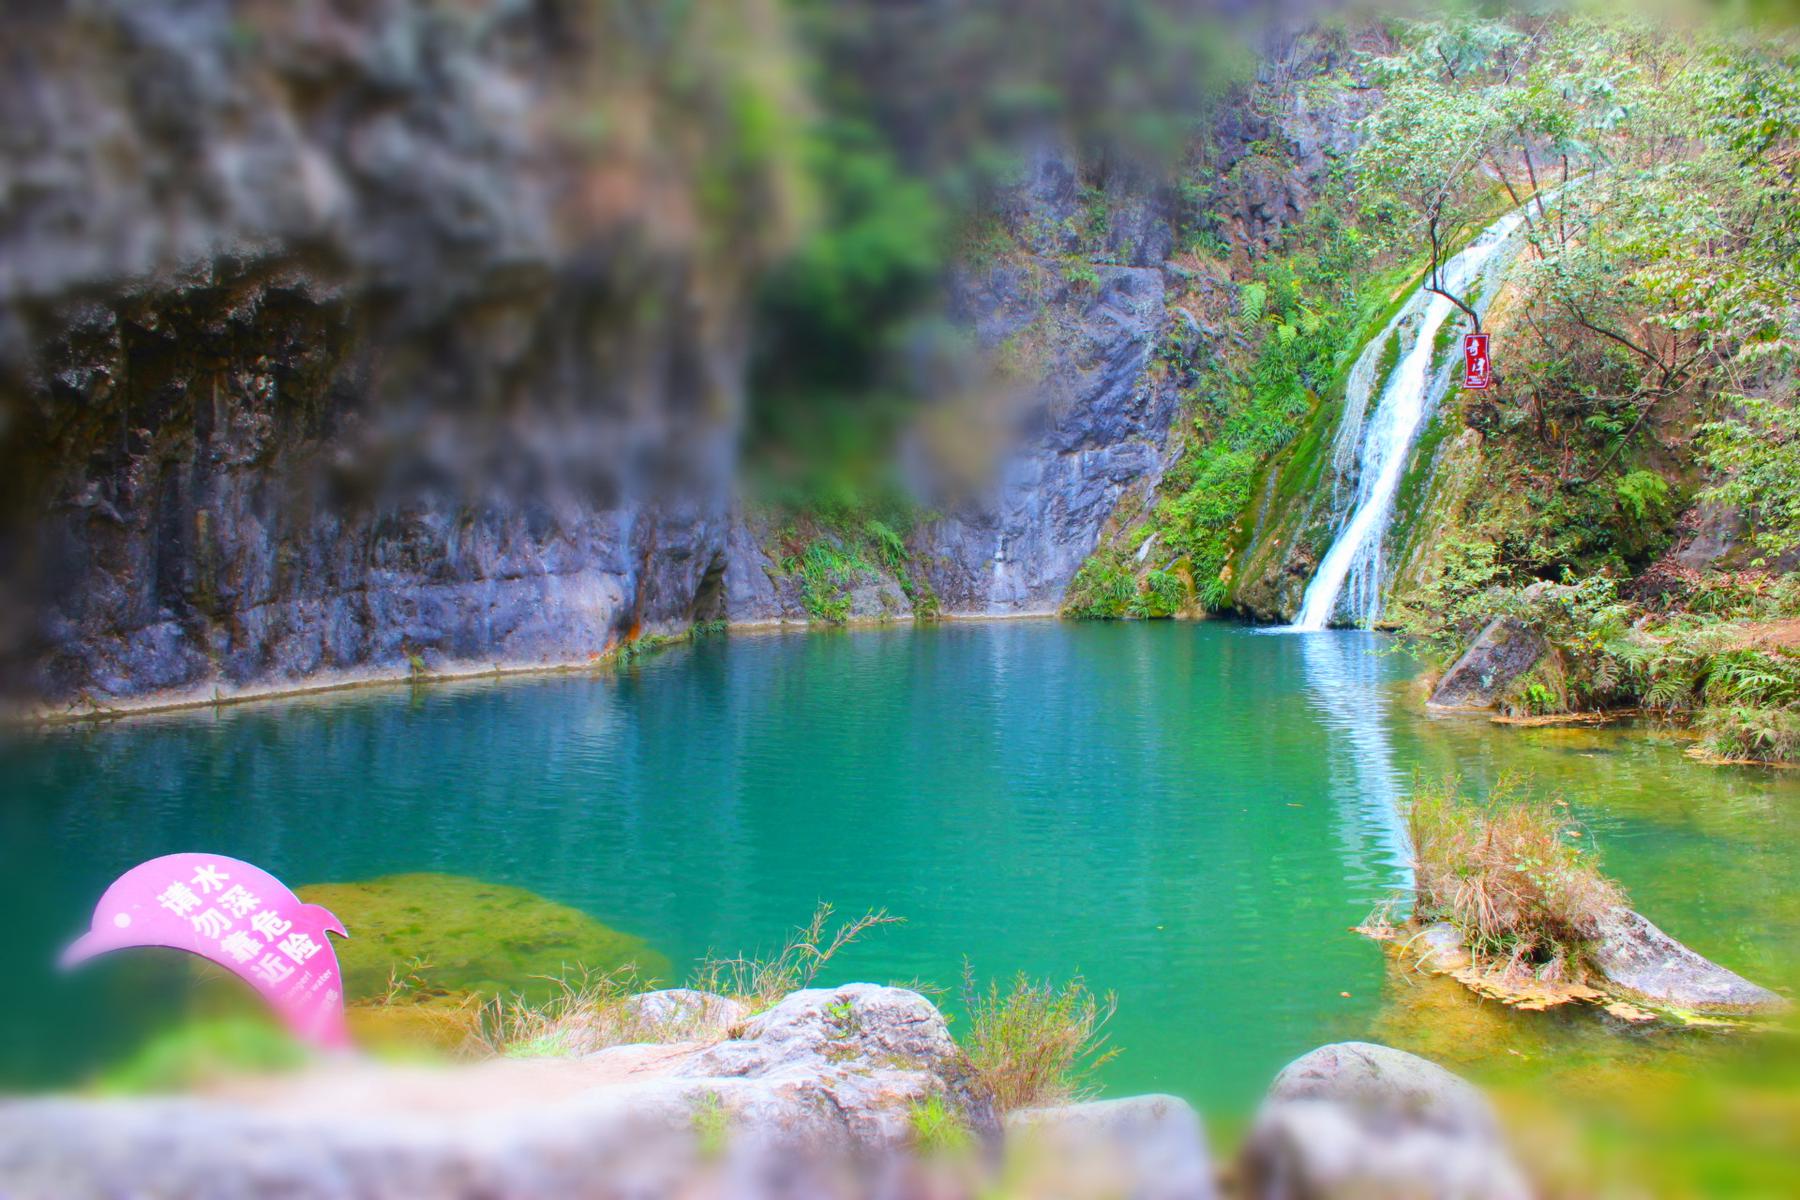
[{"x": 1478, "y": 372}]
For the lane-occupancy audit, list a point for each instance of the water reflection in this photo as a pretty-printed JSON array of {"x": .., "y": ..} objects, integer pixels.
[{"x": 1344, "y": 674}]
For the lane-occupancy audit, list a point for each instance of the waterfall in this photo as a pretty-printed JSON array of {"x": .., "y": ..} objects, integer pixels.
[{"x": 1369, "y": 455}]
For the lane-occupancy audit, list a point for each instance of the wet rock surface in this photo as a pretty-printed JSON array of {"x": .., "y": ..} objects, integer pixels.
[
  {"x": 318, "y": 362},
  {"x": 1356, "y": 1119},
  {"x": 1648, "y": 964},
  {"x": 1494, "y": 661}
]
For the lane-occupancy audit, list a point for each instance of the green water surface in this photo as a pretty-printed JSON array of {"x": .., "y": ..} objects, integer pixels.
[{"x": 1192, "y": 815}]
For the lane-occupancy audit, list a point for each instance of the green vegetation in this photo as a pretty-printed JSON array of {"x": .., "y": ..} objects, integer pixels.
[
  {"x": 834, "y": 536},
  {"x": 1107, "y": 586},
  {"x": 196, "y": 1052},
  {"x": 712, "y": 1125},
  {"x": 476, "y": 937},
  {"x": 1034, "y": 1043},
  {"x": 759, "y": 981},
  {"x": 1656, "y": 171},
  {"x": 1721, "y": 650},
  {"x": 938, "y": 1130},
  {"x": 1512, "y": 873}
]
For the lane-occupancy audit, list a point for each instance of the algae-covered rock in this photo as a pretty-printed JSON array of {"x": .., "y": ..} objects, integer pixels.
[{"x": 451, "y": 933}]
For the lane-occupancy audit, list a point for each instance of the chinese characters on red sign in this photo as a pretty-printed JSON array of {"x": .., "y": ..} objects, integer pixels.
[{"x": 1478, "y": 371}]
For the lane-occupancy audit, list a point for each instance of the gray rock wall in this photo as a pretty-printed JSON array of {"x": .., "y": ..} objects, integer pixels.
[{"x": 326, "y": 350}]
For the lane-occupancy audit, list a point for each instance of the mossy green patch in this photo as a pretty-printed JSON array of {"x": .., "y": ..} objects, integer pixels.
[
  {"x": 466, "y": 935},
  {"x": 194, "y": 1052}
]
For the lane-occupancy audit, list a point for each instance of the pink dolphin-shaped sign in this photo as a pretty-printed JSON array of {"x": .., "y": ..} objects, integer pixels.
[{"x": 240, "y": 917}]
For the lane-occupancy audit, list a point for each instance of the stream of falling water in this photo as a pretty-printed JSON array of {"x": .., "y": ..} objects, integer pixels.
[{"x": 1369, "y": 455}]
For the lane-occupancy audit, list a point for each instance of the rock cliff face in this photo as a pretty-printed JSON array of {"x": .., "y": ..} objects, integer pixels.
[
  {"x": 328, "y": 347},
  {"x": 1092, "y": 424},
  {"x": 339, "y": 344},
  {"x": 1088, "y": 318}
]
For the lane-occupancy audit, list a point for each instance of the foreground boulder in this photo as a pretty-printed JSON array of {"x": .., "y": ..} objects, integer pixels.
[
  {"x": 1141, "y": 1148},
  {"x": 1638, "y": 958},
  {"x": 689, "y": 1014},
  {"x": 1360, "y": 1120},
  {"x": 1494, "y": 661},
  {"x": 825, "y": 1077}
]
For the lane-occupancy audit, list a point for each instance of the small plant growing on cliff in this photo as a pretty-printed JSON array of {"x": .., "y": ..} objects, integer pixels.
[
  {"x": 760, "y": 981},
  {"x": 1513, "y": 873},
  {"x": 937, "y": 1129},
  {"x": 712, "y": 1125},
  {"x": 1035, "y": 1043}
]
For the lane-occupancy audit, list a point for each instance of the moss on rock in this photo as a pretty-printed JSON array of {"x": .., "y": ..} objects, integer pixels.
[{"x": 466, "y": 935}]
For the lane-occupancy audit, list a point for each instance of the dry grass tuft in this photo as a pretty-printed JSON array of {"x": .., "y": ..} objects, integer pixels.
[
  {"x": 1035, "y": 1043},
  {"x": 588, "y": 1012},
  {"x": 761, "y": 981},
  {"x": 1513, "y": 873}
]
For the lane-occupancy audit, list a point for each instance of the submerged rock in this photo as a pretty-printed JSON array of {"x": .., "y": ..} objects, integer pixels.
[
  {"x": 456, "y": 934},
  {"x": 1506, "y": 649},
  {"x": 825, "y": 1073},
  {"x": 1143, "y": 1147},
  {"x": 1642, "y": 960},
  {"x": 1356, "y": 1119},
  {"x": 1440, "y": 947}
]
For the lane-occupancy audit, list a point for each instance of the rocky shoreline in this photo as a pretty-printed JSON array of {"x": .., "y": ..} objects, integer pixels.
[{"x": 833, "y": 1091}]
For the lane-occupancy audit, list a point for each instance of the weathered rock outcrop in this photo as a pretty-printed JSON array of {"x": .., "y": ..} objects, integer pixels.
[
  {"x": 1356, "y": 1119},
  {"x": 1646, "y": 963},
  {"x": 1494, "y": 661},
  {"x": 1086, "y": 422}
]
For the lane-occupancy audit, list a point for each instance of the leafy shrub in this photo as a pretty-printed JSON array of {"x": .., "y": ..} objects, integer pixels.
[
  {"x": 1747, "y": 734},
  {"x": 1082, "y": 275},
  {"x": 1164, "y": 593},
  {"x": 1251, "y": 298},
  {"x": 1453, "y": 605},
  {"x": 1104, "y": 589},
  {"x": 1510, "y": 873},
  {"x": 825, "y": 572},
  {"x": 1643, "y": 495},
  {"x": 1035, "y": 1043}
]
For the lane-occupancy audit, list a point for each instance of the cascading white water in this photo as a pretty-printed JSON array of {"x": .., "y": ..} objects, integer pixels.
[{"x": 1372, "y": 451}]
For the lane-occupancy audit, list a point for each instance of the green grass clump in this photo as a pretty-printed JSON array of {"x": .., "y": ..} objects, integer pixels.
[
  {"x": 1512, "y": 873},
  {"x": 1035, "y": 1043},
  {"x": 938, "y": 1130},
  {"x": 1107, "y": 588},
  {"x": 193, "y": 1053}
]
